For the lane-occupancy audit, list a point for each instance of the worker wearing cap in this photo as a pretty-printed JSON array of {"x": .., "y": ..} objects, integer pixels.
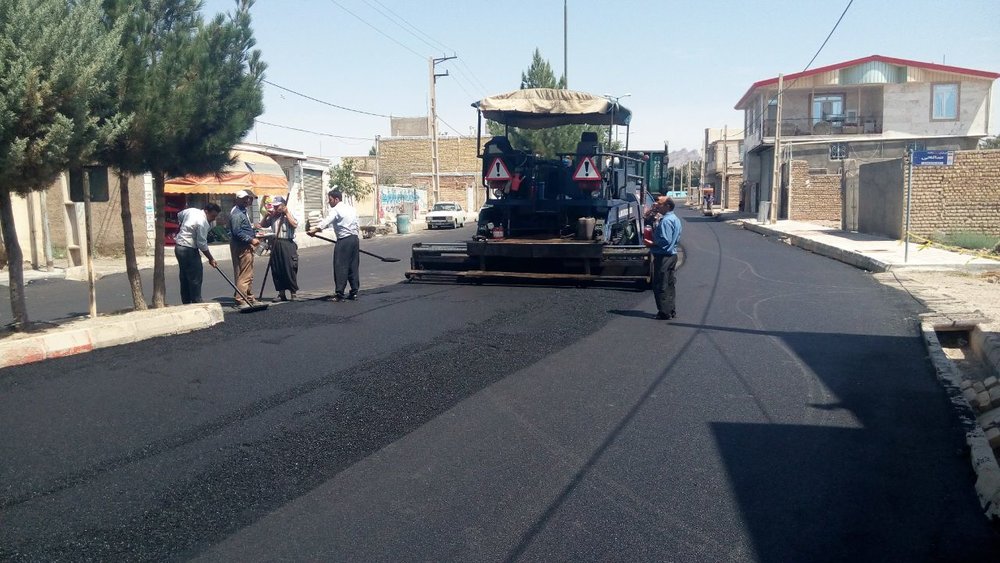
[
  {"x": 242, "y": 242},
  {"x": 285, "y": 253}
]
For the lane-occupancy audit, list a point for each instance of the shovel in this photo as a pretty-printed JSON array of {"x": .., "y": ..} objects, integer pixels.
[
  {"x": 246, "y": 299},
  {"x": 382, "y": 258}
]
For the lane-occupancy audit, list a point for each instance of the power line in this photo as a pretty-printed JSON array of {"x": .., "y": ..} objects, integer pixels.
[
  {"x": 324, "y": 102},
  {"x": 401, "y": 21},
  {"x": 449, "y": 126},
  {"x": 313, "y": 132},
  {"x": 403, "y": 24},
  {"x": 377, "y": 30},
  {"x": 812, "y": 60}
]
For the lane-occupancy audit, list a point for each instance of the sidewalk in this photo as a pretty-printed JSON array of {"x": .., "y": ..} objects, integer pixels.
[{"x": 869, "y": 252}]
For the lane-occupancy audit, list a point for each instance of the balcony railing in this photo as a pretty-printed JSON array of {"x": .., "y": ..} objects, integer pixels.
[{"x": 831, "y": 125}]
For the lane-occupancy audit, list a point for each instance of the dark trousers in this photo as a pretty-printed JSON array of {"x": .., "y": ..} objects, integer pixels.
[
  {"x": 663, "y": 282},
  {"x": 191, "y": 273},
  {"x": 285, "y": 265},
  {"x": 346, "y": 259}
]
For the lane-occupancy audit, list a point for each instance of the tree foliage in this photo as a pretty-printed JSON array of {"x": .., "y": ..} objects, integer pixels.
[
  {"x": 344, "y": 177},
  {"x": 58, "y": 67},
  {"x": 545, "y": 142},
  {"x": 201, "y": 95},
  {"x": 990, "y": 142}
]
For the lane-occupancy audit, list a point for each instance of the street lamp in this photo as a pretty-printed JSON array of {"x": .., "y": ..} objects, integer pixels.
[{"x": 615, "y": 100}]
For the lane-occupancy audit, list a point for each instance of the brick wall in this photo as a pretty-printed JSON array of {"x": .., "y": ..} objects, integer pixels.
[
  {"x": 401, "y": 158},
  {"x": 813, "y": 197},
  {"x": 957, "y": 198},
  {"x": 733, "y": 184}
]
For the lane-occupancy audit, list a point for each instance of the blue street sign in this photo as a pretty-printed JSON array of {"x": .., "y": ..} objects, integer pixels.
[{"x": 933, "y": 158}]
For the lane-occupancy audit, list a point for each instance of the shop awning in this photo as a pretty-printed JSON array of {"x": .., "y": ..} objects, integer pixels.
[
  {"x": 538, "y": 108},
  {"x": 251, "y": 170}
]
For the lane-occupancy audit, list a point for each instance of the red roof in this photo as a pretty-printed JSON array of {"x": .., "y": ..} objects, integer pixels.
[{"x": 873, "y": 58}]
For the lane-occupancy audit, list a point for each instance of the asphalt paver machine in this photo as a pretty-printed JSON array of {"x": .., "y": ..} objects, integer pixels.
[{"x": 575, "y": 216}]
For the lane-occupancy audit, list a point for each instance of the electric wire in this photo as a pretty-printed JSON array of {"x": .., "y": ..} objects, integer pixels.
[
  {"x": 403, "y": 24},
  {"x": 377, "y": 30},
  {"x": 312, "y": 132},
  {"x": 323, "y": 101}
]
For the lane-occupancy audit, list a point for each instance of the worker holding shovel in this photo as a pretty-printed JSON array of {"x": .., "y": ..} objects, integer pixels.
[{"x": 346, "y": 255}]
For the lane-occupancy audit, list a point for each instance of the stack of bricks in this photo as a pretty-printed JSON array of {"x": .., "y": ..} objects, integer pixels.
[
  {"x": 963, "y": 197},
  {"x": 813, "y": 197}
]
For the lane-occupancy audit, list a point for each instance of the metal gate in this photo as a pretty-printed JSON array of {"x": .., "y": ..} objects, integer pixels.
[{"x": 312, "y": 188}]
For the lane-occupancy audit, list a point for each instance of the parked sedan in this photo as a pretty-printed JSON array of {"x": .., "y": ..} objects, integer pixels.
[{"x": 446, "y": 214}]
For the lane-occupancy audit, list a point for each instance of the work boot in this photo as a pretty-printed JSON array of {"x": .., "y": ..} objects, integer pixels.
[
  {"x": 338, "y": 297},
  {"x": 352, "y": 295},
  {"x": 281, "y": 296}
]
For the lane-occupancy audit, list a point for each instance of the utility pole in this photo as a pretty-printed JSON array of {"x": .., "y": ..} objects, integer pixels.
[
  {"x": 565, "y": 45},
  {"x": 776, "y": 165},
  {"x": 378, "y": 207},
  {"x": 724, "y": 193},
  {"x": 704, "y": 159},
  {"x": 435, "y": 170}
]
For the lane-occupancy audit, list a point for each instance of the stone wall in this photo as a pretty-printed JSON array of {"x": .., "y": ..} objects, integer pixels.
[
  {"x": 733, "y": 184},
  {"x": 964, "y": 197},
  {"x": 813, "y": 197}
]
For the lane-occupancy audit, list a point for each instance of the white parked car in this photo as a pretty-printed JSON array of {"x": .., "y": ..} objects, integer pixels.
[{"x": 446, "y": 214}]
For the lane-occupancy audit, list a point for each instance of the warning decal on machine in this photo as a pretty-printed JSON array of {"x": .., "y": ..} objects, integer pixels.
[
  {"x": 586, "y": 171},
  {"x": 498, "y": 171}
]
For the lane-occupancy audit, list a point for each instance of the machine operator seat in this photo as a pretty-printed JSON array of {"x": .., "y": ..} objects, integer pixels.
[{"x": 588, "y": 143}]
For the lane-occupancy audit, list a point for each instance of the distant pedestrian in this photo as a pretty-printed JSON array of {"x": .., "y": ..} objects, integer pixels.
[
  {"x": 346, "y": 254},
  {"x": 284, "y": 252},
  {"x": 191, "y": 238},
  {"x": 666, "y": 235},
  {"x": 242, "y": 242}
]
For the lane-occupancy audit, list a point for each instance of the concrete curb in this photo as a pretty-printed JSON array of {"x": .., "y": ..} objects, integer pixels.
[
  {"x": 83, "y": 335},
  {"x": 852, "y": 258},
  {"x": 984, "y": 463}
]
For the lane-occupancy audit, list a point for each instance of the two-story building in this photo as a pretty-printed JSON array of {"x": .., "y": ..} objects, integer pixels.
[
  {"x": 867, "y": 109},
  {"x": 723, "y": 151}
]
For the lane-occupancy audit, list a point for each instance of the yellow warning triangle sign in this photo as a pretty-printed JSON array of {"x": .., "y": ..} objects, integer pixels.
[
  {"x": 586, "y": 171},
  {"x": 497, "y": 171}
]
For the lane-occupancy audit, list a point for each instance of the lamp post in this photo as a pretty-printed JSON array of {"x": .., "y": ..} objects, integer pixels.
[{"x": 614, "y": 99}]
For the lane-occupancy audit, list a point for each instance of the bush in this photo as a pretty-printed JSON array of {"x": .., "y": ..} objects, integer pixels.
[{"x": 970, "y": 240}]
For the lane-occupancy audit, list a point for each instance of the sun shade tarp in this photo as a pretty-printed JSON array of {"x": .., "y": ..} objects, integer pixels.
[
  {"x": 537, "y": 108},
  {"x": 251, "y": 170}
]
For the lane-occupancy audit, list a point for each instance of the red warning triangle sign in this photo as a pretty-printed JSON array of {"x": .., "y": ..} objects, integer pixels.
[
  {"x": 497, "y": 171},
  {"x": 586, "y": 171}
]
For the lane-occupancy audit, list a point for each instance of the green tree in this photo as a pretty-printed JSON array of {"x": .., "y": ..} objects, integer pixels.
[
  {"x": 150, "y": 28},
  {"x": 990, "y": 142},
  {"x": 551, "y": 141},
  {"x": 58, "y": 67},
  {"x": 343, "y": 177},
  {"x": 201, "y": 97}
]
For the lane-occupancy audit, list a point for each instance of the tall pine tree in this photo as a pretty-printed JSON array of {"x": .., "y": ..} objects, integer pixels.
[
  {"x": 203, "y": 93},
  {"x": 545, "y": 142},
  {"x": 58, "y": 66}
]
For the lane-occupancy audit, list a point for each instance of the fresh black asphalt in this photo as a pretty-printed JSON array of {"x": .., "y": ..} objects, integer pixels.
[{"x": 788, "y": 414}]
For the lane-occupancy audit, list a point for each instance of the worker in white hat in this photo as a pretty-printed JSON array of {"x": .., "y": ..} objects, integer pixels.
[{"x": 242, "y": 242}]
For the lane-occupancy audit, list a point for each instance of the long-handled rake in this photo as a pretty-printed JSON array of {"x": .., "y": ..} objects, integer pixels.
[
  {"x": 246, "y": 299},
  {"x": 373, "y": 255}
]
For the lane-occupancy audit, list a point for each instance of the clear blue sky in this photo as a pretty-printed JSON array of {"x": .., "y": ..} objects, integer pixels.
[{"x": 685, "y": 63}]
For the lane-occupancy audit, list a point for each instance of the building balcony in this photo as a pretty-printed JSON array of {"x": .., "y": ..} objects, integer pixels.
[{"x": 828, "y": 125}]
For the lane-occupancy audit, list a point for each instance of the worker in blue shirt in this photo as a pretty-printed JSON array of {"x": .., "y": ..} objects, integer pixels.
[{"x": 666, "y": 234}]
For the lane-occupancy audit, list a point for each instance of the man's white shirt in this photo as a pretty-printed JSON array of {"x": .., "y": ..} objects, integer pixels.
[
  {"x": 344, "y": 219},
  {"x": 193, "y": 231}
]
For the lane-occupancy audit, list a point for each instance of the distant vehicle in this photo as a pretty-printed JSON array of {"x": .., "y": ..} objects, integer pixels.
[
  {"x": 446, "y": 214},
  {"x": 677, "y": 194}
]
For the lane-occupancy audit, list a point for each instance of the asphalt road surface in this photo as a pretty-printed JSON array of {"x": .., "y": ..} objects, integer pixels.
[{"x": 788, "y": 414}]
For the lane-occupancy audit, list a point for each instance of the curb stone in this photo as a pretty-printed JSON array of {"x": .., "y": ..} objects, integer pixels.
[
  {"x": 84, "y": 335},
  {"x": 839, "y": 254},
  {"x": 984, "y": 463}
]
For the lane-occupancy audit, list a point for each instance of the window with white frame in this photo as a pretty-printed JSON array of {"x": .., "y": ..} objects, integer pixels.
[
  {"x": 944, "y": 101},
  {"x": 827, "y": 107}
]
